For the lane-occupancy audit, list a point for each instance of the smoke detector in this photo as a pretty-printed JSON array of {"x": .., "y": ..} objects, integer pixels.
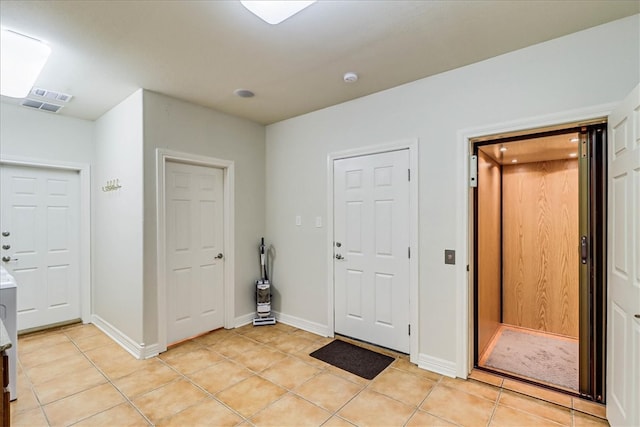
[
  {"x": 51, "y": 95},
  {"x": 350, "y": 77}
]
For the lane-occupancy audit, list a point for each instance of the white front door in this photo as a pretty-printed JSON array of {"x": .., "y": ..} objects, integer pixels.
[
  {"x": 40, "y": 223},
  {"x": 623, "y": 326},
  {"x": 371, "y": 248},
  {"x": 194, "y": 253}
]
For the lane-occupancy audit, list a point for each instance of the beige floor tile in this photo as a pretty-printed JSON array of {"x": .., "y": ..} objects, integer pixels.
[
  {"x": 585, "y": 420},
  {"x": 119, "y": 364},
  {"x": 304, "y": 355},
  {"x": 458, "y": 406},
  {"x": 90, "y": 342},
  {"x": 291, "y": 410},
  {"x": 259, "y": 359},
  {"x": 220, "y": 376},
  {"x": 404, "y": 364},
  {"x": 180, "y": 349},
  {"x": 57, "y": 368},
  {"x": 308, "y": 335},
  {"x": 346, "y": 375},
  {"x": 284, "y": 327},
  {"x": 538, "y": 392},
  {"x": 590, "y": 408},
  {"x": 251, "y": 395},
  {"x": 81, "y": 331},
  {"x": 402, "y": 386},
  {"x": 213, "y": 337},
  {"x": 37, "y": 341},
  {"x": 234, "y": 345},
  {"x": 290, "y": 372},
  {"x": 424, "y": 419},
  {"x": 328, "y": 391},
  {"x": 168, "y": 400},
  {"x": 486, "y": 391},
  {"x": 505, "y": 416},
  {"x": 194, "y": 361},
  {"x": 123, "y": 415},
  {"x": 47, "y": 354},
  {"x": 82, "y": 405},
  {"x": 265, "y": 334},
  {"x": 30, "y": 418},
  {"x": 336, "y": 421},
  {"x": 540, "y": 408},
  {"x": 374, "y": 409},
  {"x": 71, "y": 383},
  {"x": 26, "y": 400},
  {"x": 153, "y": 375},
  {"x": 207, "y": 413},
  {"x": 291, "y": 344}
]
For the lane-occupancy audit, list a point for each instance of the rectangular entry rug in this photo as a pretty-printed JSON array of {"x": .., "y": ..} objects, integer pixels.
[
  {"x": 357, "y": 360},
  {"x": 542, "y": 357}
]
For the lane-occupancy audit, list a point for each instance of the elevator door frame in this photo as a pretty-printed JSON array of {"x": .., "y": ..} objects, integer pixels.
[{"x": 592, "y": 294}]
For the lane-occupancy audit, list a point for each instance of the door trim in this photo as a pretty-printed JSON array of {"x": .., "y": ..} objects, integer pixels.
[
  {"x": 162, "y": 157},
  {"x": 414, "y": 233},
  {"x": 464, "y": 287},
  {"x": 84, "y": 257}
]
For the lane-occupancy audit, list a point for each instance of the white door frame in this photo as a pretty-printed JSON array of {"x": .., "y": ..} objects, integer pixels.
[
  {"x": 84, "y": 257},
  {"x": 464, "y": 288},
  {"x": 412, "y": 146},
  {"x": 162, "y": 157}
]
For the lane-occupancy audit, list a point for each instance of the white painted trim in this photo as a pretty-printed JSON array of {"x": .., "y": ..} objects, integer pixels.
[
  {"x": 306, "y": 325},
  {"x": 437, "y": 365},
  {"x": 414, "y": 231},
  {"x": 464, "y": 322},
  {"x": 139, "y": 351},
  {"x": 84, "y": 256},
  {"x": 243, "y": 320},
  {"x": 228, "y": 167}
]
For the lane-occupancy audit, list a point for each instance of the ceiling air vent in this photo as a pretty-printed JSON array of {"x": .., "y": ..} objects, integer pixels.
[
  {"x": 40, "y": 105},
  {"x": 51, "y": 95}
]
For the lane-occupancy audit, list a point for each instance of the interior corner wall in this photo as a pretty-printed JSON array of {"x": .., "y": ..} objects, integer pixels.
[
  {"x": 585, "y": 69},
  {"x": 117, "y": 219},
  {"x": 38, "y": 135},
  {"x": 177, "y": 125}
]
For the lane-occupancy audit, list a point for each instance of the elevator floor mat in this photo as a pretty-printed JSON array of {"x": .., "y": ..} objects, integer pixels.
[{"x": 357, "y": 360}]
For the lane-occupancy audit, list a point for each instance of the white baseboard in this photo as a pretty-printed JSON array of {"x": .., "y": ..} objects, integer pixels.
[
  {"x": 314, "y": 328},
  {"x": 437, "y": 365},
  {"x": 139, "y": 351}
]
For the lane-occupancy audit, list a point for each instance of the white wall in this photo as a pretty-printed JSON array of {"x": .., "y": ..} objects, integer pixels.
[
  {"x": 38, "y": 135},
  {"x": 593, "y": 67},
  {"x": 118, "y": 219},
  {"x": 181, "y": 126}
]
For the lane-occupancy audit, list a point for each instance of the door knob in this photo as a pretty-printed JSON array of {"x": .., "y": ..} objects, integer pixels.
[
  {"x": 339, "y": 256},
  {"x": 6, "y": 258},
  {"x": 5, "y": 247},
  {"x": 6, "y": 234},
  {"x": 219, "y": 256}
]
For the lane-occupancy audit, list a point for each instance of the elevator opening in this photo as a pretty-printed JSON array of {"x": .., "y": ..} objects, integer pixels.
[{"x": 539, "y": 215}]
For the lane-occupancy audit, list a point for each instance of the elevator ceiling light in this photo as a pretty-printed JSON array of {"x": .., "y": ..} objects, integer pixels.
[
  {"x": 573, "y": 154},
  {"x": 574, "y": 139},
  {"x": 21, "y": 60},
  {"x": 514, "y": 161},
  {"x": 274, "y": 12},
  {"x": 503, "y": 149}
]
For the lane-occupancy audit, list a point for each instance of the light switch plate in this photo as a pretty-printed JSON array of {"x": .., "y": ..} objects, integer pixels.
[{"x": 449, "y": 256}]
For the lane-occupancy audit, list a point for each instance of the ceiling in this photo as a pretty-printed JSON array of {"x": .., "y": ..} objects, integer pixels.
[
  {"x": 536, "y": 149},
  {"x": 201, "y": 51}
]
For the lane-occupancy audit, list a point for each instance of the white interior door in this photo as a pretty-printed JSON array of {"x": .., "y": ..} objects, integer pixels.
[
  {"x": 41, "y": 219},
  {"x": 194, "y": 253},
  {"x": 371, "y": 247},
  {"x": 623, "y": 326}
]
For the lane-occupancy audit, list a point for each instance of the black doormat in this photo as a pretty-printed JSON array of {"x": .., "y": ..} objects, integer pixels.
[{"x": 357, "y": 360}]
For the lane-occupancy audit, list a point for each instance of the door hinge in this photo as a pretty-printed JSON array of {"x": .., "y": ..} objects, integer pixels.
[
  {"x": 409, "y": 252},
  {"x": 473, "y": 171},
  {"x": 409, "y": 329},
  {"x": 408, "y": 174}
]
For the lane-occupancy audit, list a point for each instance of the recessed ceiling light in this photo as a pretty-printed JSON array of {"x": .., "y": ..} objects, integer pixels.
[
  {"x": 21, "y": 60},
  {"x": 503, "y": 149},
  {"x": 573, "y": 154},
  {"x": 514, "y": 161},
  {"x": 574, "y": 139},
  {"x": 244, "y": 93},
  {"x": 274, "y": 12}
]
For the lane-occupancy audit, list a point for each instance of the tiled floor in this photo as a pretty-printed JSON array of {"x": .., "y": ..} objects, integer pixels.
[{"x": 251, "y": 376}]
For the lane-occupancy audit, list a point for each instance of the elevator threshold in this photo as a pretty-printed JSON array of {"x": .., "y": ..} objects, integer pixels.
[{"x": 542, "y": 358}]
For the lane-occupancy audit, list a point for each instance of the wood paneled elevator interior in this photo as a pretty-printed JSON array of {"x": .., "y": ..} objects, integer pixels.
[{"x": 534, "y": 314}]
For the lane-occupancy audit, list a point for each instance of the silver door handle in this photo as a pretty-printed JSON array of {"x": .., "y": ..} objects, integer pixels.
[
  {"x": 339, "y": 256},
  {"x": 219, "y": 256},
  {"x": 8, "y": 259}
]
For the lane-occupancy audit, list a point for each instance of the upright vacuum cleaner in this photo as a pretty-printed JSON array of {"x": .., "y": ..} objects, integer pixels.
[{"x": 263, "y": 293}]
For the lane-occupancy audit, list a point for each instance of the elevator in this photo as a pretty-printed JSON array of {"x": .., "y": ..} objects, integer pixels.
[{"x": 539, "y": 279}]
